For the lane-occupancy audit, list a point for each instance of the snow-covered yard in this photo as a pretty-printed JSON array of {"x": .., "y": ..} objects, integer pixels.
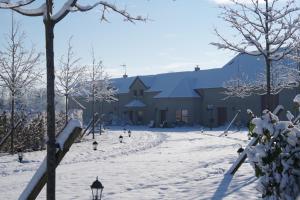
[{"x": 181, "y": 163}]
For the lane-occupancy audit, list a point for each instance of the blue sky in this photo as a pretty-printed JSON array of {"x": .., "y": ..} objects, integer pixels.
[{"x": 175, "y": 39}]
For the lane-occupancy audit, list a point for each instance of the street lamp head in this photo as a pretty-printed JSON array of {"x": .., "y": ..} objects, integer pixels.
[
  {"x": 240, "y": 150},
  {"x": 129, "y": 133},
  {"x": 20, "y": 154},
  {"x": 97, "y": 189},
  {"x": 121, "y": 139},
  {"x": 95, "y": 145}
]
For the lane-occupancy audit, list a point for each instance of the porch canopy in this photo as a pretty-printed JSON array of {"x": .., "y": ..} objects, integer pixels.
[{"x": 135, "y": 104}]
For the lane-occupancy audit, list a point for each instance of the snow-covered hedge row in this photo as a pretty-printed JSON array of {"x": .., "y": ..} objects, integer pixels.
[
  {"x": 30, "y": 135},
  {"x": 276, "y": 158}
]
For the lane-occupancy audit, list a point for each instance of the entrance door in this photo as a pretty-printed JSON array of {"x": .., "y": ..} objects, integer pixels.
[
  {"x": 222, "y": 115},
  {"x": 131, "y": 116},
  {"x": 163, "y": 115},
  {"x": 139, "y": 117}
]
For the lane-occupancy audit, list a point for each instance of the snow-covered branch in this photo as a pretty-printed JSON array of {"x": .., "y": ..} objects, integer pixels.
[
  {"x": 69, "y": 75},
  {"x": 282, "y": 77},
  {"x": 40, "y": 11},
  {"x": 74, "y": 6},
  {"x": 98, "y": 86},
  {"x": 18, "y": 66},
  {"x": 268, "y": 28},
  {"x": 239, "y": 86},
  {"x": 7, "y": 4}
]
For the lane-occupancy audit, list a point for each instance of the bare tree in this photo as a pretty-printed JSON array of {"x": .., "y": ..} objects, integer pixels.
[
  {"x": 97, "y": 87},
  {"x": 69, "y": 75},
  {"x": 50, "y": 19},
  {"x": 284, "y": 75},
  {"x": 18, "y": 69},
  {"x": 267, "y": 29}
]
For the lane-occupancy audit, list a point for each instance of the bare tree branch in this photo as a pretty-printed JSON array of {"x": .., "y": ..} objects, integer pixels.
[
  {"x": 8, "y": 5},
  {"x": 40, "y": 11},
  {"x": 73, "y": 6},
  {"x": 267, "y": 28}
]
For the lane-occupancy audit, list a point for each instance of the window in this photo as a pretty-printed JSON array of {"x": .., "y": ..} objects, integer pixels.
[
  {"x": 134, "y": 93},
  {"x": 142, "y": 92},
  {"x": 182, "y": 115},
  {"x": 185, "y": 116},
  {"x": 178, "y": 115}
]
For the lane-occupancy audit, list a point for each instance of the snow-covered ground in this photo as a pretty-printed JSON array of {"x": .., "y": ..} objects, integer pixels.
[{"x": 181, "y": 163}]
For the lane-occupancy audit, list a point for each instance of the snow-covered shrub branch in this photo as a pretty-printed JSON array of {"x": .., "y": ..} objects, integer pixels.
[{"x": 276, "y": 158}]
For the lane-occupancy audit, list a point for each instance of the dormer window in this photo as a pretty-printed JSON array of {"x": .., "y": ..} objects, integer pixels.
[
  {"x": 135, "y": 93},
  {"x": 141, "y": 92}
]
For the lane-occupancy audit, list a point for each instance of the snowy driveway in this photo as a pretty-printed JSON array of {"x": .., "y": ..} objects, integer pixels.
[{"x": 152, "y": 164}]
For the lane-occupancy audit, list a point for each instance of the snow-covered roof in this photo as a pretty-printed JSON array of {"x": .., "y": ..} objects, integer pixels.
[
  {"x": 135, "y": 104},
  {"x": 184, "y": 84}
]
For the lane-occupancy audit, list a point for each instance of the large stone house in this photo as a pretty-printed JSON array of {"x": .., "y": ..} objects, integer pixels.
[{"x": 190, "y": 97}]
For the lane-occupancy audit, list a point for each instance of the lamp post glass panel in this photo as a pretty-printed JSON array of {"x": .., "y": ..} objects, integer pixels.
[
  {"x": 20, "y": 155},
  {"x": 97, "y": 189},
  {"x": 95, "y": 145},
  {"x": 121, "y": 138}
]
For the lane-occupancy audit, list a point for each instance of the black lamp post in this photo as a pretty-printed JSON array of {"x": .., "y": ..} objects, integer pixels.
[
  {"x": 97, "y": 189},
  {"x": 121, "y": 138},
  {"x": 129, "y": 133},
  {"x": 20, "y": 155},
  {"x": 95, "y": 144},
  {"x": 240, "y": 150}
]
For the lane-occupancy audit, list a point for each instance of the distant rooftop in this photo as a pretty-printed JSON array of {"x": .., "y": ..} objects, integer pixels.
[{"x": 183, "y": 84}]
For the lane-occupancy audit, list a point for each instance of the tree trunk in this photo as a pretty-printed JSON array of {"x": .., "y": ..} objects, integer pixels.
[
  {"x": 12, "y": 122},
  {"x": 298, "y": 65},
  {"x": 66, "y": 108},
  {"x": 269, "y": 97},
  {"x": 51, "y": 146},
  {"x": 93, "y": 112},
  {"x": 267, "y": 58},
  {"x": 93, "y": 93},
  {"x": 100, "y": 115}
]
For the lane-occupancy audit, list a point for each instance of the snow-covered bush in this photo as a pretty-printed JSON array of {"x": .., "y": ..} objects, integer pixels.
[
  {"x": 29, "y": 135},
  {"x": 276, "y": 157}
]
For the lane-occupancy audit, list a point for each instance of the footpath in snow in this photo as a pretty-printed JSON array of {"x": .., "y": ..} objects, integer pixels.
[{"x": 180, "y": 163}]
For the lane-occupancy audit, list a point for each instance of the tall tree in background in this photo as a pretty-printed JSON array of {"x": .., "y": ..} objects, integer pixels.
[
  {"x": 97, "y": 87},
  {"x": 50, "y": 19},
  {"x": 284, "y": 75},
  {"x": 18, "y": 69},
  {"x": 69, "y": 75},
  {"x": 267, "y": 28}
]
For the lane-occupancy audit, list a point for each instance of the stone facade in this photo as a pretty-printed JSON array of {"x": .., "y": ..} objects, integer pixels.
[
  {"x": 193, "y": 97},
  {"x": 210, "y": 108}
]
